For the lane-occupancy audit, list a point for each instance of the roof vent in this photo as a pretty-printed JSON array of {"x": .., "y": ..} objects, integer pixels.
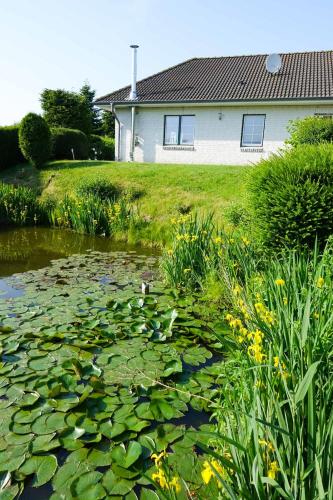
[{"x": 273, "y": 63}]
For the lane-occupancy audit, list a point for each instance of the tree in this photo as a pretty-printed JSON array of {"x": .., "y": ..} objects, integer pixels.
[
  {"x": 107, "y": 127},
  {"x": 66, "y": 109},
  {"x": 88, "y": 95},
  {"x": 35, "y": 139}
]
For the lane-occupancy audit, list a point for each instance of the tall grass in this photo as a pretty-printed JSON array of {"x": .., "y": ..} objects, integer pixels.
[
  {"x": 276, "y": 435},
  {"x": 19, "y": 205},
  {"x": 92, "y": 215}
]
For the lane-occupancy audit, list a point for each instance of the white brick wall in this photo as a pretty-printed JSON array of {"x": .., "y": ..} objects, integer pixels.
[{"x": 216, "y": 141}]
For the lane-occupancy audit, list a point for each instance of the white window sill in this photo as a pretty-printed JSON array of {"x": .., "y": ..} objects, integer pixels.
[
  {"x": 179, "y": 148},
  {"x": 250, "y": 149}
]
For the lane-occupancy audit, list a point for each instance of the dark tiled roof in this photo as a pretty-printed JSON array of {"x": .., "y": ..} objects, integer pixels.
[{"x": 304, "y": 75}]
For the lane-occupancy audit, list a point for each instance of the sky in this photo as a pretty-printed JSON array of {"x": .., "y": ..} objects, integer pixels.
[{"x": 63, "y": 43}]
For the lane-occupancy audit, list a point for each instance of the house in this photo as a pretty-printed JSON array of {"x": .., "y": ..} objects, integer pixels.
[{"x": 219, "y": 110}]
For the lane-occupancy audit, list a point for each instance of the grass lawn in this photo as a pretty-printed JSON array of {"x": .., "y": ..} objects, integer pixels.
[{"x": 166, "y": 188}]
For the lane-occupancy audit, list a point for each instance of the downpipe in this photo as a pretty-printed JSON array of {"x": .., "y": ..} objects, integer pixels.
[
  {"x": 113, "y": 112},
  {"x": 132, "y": 134}
]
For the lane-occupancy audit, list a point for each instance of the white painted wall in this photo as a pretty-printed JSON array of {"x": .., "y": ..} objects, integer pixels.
[{"x": 216, "y": 141}]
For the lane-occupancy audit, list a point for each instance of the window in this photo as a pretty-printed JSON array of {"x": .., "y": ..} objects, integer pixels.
[
  {"x": 253, "y": 130},
  {"x": 179, "y": 130}
]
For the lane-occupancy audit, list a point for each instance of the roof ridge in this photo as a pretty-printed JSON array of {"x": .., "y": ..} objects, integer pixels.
[
  {"x": 150, "y": 76},
  {"x": 265, "y": 54}
]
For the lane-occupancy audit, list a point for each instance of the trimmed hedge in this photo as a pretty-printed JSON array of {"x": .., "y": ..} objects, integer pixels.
[
  {"x": 310, "y": 130},
  {"x": 292, "y": 197},
  {"x": 35, "y": 139},
  {"x": 66, "y": 139},
  {"x": 101, "y": 148},
  {"x": 10, "y": 153}
]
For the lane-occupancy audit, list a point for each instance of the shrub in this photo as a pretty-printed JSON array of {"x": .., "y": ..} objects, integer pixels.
[
  {"x": 64, "y": 140},
  {"x": 10, "y": 153},
  {"x": 310, "y": 130},
  {"x": 101, "y": 189},
  {"x": 19, "y": 205},
  {"x": 35, "y": 139},
  {"x": 101, "y": 148},
  {"x": 292, "y": 197}
]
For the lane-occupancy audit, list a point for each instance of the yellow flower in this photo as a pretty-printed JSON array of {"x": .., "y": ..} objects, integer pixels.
[
  {"x": 280, "y": 282},
  {"x": 170, "y": 252},
  {"x": 160, "y": 478},
  {"x": 285, "y": 300},
  {"x": 273, "y": 469},
  {"x": 237, "y": 290},
  {"x": 218, "y": 239},
  {"x": 316, "y": 315},
  {"x": 175, "y": 484},
  {"x": 320, "y": 282},
  {"x": 268, "y": 445},
  {"x": 210, "y": 469},
  {"x": 255, "y": 351},
  {"x": 276, "y": 360},
  {"x": 188, "y": 270},
  {"x": 207, "y": 472},
  {"x": 245, "y": 241},
  {"x": 194, "y": 237},
  {"x": 158, "y": 458}
]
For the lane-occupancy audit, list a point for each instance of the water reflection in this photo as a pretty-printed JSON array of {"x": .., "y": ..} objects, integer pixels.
[{"x": 28, "y": 248}]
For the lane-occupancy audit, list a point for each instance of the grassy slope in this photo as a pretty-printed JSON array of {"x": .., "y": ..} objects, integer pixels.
[{"x": 167, "y": 187}]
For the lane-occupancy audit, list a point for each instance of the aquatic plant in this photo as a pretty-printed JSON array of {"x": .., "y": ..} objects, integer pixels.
[
  {"x": 276, "y": 424},
  {"x": 92, "y": 215},
  {"x": 19, "y": 205},
  {"x": 92, "y": 372}
]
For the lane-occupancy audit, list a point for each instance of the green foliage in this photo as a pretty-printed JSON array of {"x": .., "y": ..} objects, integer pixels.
[
  {"x": 19, "y": 206},
  {"x": 276, "y": 418},
  {"x": 95, "y": 380},
  {"x": 101, "y": 148},
  {"x": 92, "y": 215},
  {"x": 35, "y": 139},
  {"x": 310, "y": 130},
  {"x": 100, "y": 188},
  {"x": 64, "y": 140},
  {"x": 10, "y": 153},
  {"x": 66, "y": 109},
  {"x": 292, "y": 197},
  {"x": 108, "y": 124},
  {"x": 237, "y": 215},
  {"x": 95, "y": 114}
]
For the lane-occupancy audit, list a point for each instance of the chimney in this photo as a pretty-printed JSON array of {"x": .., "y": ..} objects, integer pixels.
[{"x": 133, "y": 95}]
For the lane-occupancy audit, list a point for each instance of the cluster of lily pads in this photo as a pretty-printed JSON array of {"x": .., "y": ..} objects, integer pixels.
[{"x": 95, "y": 378}]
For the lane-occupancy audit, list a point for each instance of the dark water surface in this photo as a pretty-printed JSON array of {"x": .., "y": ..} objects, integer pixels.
[{"x": 29, "y": 248}]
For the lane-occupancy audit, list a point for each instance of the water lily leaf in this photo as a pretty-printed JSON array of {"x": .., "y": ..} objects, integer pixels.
[
  {"x": 162, "y": 409},
  {"x": 88, "y": 486},
  {"x": 43, "y": 468},
  {"x": 195, "y": 356},
  {"x": 148, "y": 494},
  {"x": 174, "y": 366},
  {"x": 69, "y": 438},
  {"x": 45, "y": 442},
  {"x": 10, "y": 492},
  {"x": 125, "y": 457},
  {"x": 115, "y": 486}
]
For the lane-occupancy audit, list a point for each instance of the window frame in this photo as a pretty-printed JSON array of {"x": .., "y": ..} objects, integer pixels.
[
  {"x": 242, "y": 145},
  {"x": 178, "y": 143}
]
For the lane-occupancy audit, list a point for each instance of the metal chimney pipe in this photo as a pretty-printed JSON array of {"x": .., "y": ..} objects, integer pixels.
[{"x": 133, "y": 94}]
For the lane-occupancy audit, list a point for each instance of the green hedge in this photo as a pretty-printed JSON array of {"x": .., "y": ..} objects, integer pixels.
[
  {"x": 10, "y": 153},
  {"x": 101, "y": 148},
  {"x": 66, "y": 139},
  {"x": 35, "y": 139},
  {"x": 292, "y": 197},
  {"x": 310, "y": 130}
]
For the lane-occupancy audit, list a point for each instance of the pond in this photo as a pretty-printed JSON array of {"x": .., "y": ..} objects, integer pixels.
[{"x": 94, "y": 375}]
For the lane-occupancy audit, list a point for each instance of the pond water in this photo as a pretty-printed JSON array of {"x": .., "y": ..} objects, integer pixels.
[
  {"x": 94, "y": 375},
  {"x": 27, "y": 248}
]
